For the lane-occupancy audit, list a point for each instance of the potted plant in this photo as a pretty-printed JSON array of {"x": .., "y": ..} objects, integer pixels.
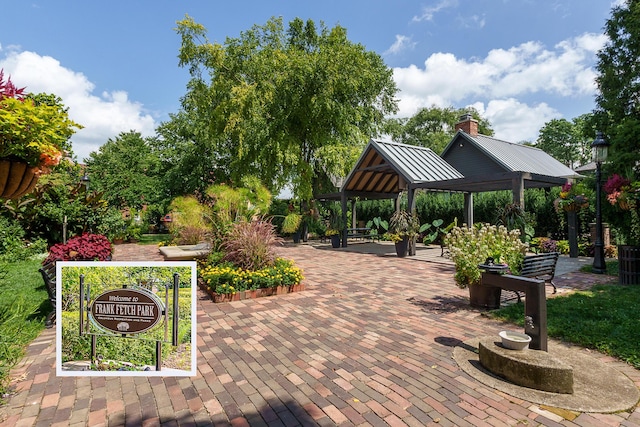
[
  {"x": 134, "y": 233},
  {"x": 376, "y": 225},
  {"x": 471, "y": 247},
  {"x": 291, "y": 225},
  {"x": 334, "y": 235},
  {"x": 572, "y": 199},
  {"x": 403, "y": 226},
  {"x": 34, "y": 133},
  {"x": 625, "y": 195}
]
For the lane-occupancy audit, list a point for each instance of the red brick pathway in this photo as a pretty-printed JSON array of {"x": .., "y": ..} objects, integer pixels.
[{"x": 368, "y": 343}]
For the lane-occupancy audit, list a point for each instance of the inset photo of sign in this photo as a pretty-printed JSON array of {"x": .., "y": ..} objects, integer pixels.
[{"x": 126, "y": 318}]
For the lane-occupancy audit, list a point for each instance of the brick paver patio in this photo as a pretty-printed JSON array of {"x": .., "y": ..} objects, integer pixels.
[{"x": 368, "y": 343}]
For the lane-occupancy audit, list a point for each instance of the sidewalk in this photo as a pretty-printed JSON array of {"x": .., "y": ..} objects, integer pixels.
[{"x": 370, "y": 342}]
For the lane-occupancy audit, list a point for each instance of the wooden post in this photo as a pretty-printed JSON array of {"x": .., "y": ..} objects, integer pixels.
[{"x": 468, "y": 209}]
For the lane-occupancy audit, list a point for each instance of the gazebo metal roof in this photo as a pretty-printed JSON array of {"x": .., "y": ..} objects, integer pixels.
[
  {"x": 470, "y": 164},
  {"x": 386, "y": 168},
  {"x": 506, "y": 157}
]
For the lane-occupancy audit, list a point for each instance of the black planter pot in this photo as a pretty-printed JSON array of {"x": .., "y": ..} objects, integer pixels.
[
  {"x": 401, "y": 247},
  {"x": 335, "y": 241},
  {"x": 629, "y": 264},
  {"x": 296, "y": 237},
  {"x": 481, "y": 296}
]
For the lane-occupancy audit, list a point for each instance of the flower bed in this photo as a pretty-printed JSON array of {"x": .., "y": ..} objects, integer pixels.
[
  {"x": 228, "y": 283},
  {"x": 250, "y": 294}
]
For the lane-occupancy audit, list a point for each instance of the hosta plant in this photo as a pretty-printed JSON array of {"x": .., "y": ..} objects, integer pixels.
[{"x": 470, "y": 247}]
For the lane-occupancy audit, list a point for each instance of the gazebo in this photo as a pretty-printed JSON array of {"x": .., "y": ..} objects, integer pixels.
[
  {"x": 471, "y": 163},
  {"x": 385, "y": 169}
]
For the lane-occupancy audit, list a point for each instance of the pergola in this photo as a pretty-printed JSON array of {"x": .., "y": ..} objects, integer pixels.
[{"x": 469, "y": 164}]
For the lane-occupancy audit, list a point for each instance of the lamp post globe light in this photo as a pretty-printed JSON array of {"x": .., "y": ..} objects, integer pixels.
[
  {"x": 600, "y": 147},
  {"x": 85, "y": 181}
]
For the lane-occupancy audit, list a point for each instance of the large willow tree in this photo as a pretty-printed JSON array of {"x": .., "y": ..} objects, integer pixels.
[{"x": 292, "y": 106}]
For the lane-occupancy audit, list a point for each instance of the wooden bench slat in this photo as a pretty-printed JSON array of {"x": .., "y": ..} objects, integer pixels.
[
  {"x": 48, "y": 272},
  {"x": 540, "y": 266}
]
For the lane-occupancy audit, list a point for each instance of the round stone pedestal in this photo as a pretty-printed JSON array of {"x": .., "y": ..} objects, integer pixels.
[{"x": 528, "y": 368}]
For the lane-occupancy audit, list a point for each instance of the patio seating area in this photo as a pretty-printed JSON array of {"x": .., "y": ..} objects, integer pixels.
[{"x": 369, "y": 342}]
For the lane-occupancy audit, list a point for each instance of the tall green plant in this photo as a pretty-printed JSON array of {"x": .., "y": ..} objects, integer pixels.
[{"x": 190, "y": 220}]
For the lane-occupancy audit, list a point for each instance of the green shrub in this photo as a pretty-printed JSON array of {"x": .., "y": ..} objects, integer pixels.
[
  {"x": 13, "y": 247},
  {"x": 137, "y": 351},
  {"x": 470, "y": 247}
]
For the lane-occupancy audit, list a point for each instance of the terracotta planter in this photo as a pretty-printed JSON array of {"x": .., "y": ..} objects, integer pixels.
[
  {"x": 481, "y": 296},
  {"x": 16, "y": 178},
  {"x": 250, "y": 294}
]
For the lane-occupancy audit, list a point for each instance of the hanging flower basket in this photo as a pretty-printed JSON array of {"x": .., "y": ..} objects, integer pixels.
[{"x": 16, "y": 178}]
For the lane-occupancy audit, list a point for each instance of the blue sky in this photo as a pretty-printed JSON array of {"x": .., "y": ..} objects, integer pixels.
[{"x": 520, "y": 62}]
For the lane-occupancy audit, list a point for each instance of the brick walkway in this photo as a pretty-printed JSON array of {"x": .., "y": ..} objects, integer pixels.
[{"x": 368, "y": 343}]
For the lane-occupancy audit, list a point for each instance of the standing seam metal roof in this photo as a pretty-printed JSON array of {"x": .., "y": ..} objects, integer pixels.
[
  {"x": 389, "y": 159},
  {"x": 520, "y": 158}
]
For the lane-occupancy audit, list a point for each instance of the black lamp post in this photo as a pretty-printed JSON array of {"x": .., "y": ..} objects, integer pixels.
[
  {"x": 85, "y": 181},
  {"x": 600, "y": 147}
]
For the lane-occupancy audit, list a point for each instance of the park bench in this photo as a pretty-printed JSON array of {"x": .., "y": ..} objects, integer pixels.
[
  {"x": 362, "y": 233},
  {"x": 48, "y": 272},
  {"x": 540, "y": 266}
]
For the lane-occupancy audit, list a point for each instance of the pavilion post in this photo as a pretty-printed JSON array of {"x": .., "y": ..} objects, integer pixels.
[
  {"x": 468, "y": 209},
  {"x": 517, "y": 184},
  {"x": 343, "y": 200}
]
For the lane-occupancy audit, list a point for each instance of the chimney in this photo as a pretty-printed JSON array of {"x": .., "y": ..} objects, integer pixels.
[{"x": 468, "y": 125}]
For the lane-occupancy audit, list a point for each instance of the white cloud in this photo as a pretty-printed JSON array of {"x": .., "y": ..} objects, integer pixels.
[
  {"x": 401, "y": 44},
  {"x": 103, "y": 116},
  {"x": 429, "y": 11},
  {"x": 516, "y": 121},
  {"x": 473, "y": 21},
  {"x": 503, "y": 80}
]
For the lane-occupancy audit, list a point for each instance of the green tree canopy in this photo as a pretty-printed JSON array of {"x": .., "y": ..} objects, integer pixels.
[
  {"x": 432, "y": 127},
  {"x": 127, "y": 171},
  {"x": 618, "y": 102},
  {"x": 286, "y": 106},
  {"x": 567, "y": 141}
]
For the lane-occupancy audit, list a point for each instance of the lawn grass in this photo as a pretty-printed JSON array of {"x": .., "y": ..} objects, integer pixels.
[
  {"x": 24, "y": 305},
  {"x": 611, "y": 264},
  {"x": 604, "y": 318},
  {"x": 154, "y": 239}
]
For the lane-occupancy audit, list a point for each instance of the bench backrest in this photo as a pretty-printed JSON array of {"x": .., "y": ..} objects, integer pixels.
[
  {"x": 48, "y": 272},
  {"x": 540, "y": 265}
]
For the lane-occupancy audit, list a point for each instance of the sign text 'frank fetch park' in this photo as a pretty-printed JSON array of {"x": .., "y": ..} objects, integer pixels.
[{"x": 126, "y": 311}]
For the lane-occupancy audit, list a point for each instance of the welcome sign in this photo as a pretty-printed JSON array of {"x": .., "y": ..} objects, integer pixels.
[{"x": 126, "y": 311}]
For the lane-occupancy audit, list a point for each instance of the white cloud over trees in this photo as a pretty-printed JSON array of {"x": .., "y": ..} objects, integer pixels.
[
  {"x": 511, "y": 87},
  {"x": 103, "y": 116},
  {"x": 500, "y": 84}
]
